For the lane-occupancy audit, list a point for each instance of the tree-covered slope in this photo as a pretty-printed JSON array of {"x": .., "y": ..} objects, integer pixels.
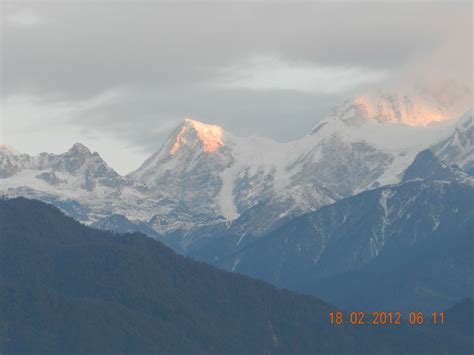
[{"x": 67, "y": 288}]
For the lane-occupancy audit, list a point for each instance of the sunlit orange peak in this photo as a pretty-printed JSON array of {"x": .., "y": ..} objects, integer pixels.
[
  {"x": 210, "y": 136},
  {"x": 7, "y": 148},
  {"x": 404, "y": 111}
]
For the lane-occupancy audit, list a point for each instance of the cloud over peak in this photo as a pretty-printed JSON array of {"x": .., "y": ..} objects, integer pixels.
[{"x": 273, "y": 73}]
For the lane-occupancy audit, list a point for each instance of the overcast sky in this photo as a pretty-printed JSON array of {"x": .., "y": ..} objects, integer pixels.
[{"x": 120, "y": 76}]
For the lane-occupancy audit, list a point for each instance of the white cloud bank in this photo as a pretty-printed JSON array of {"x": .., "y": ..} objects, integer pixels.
[{"x": 272, "y": 73}]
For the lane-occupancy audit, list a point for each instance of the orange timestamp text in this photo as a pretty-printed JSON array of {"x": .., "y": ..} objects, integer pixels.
[{"x": 385, "y": 318}]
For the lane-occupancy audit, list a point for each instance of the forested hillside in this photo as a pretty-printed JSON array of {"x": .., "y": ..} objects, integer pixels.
[{"x": 67, "y": 288}]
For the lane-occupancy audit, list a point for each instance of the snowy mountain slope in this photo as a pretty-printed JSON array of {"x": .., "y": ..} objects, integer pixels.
[
  {"x": 85, "y": 187},
  {"x": 214, "y": 241},
  {"x": 212, "y": 171},
  {"x": 77, "y": 181},
  {"x": 75, "y": 171},
  {"x": 121, "y": 224},
  {"x": 11, "y": 161},
  {"x": 458, "y": 148},
  {"x": 188, "y": 166},
  {"x": 416, "y": 107},
  {"x": 353, "y": 150}
]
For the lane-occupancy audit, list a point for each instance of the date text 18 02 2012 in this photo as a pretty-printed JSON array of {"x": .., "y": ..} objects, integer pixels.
[{"x": 386, "y": 318}]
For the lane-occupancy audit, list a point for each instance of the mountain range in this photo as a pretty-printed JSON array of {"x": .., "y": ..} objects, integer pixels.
[
  {"x": 203, "y": 175},
  {"x": 365, "y": 187}
]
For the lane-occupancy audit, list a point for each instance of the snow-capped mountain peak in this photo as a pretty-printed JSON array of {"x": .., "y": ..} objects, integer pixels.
[
  {"x": 188, "y": 166},
  {"x": 412, "y": 110},
  {"x": 397, "y": 123},
  {"x": 189, "y": 142},
  {"x": 5, "y": 148},
  {"x": 12, "y": 161},
  {"x": 77, "y": 173},
  {"x": 8, "y": 149},
  {"x": 78, "y": 160},
  {"x": 402, "y": 109},
  {"x": 79, "y": 149},
  {"x": 194, "y": 133},
  {"x": 367, "y": 143}
]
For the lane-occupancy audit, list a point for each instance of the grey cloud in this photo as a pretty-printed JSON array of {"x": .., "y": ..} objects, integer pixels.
[
  {"x": 84, "y": 49},
  {"x": 164, "y": 57}
]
